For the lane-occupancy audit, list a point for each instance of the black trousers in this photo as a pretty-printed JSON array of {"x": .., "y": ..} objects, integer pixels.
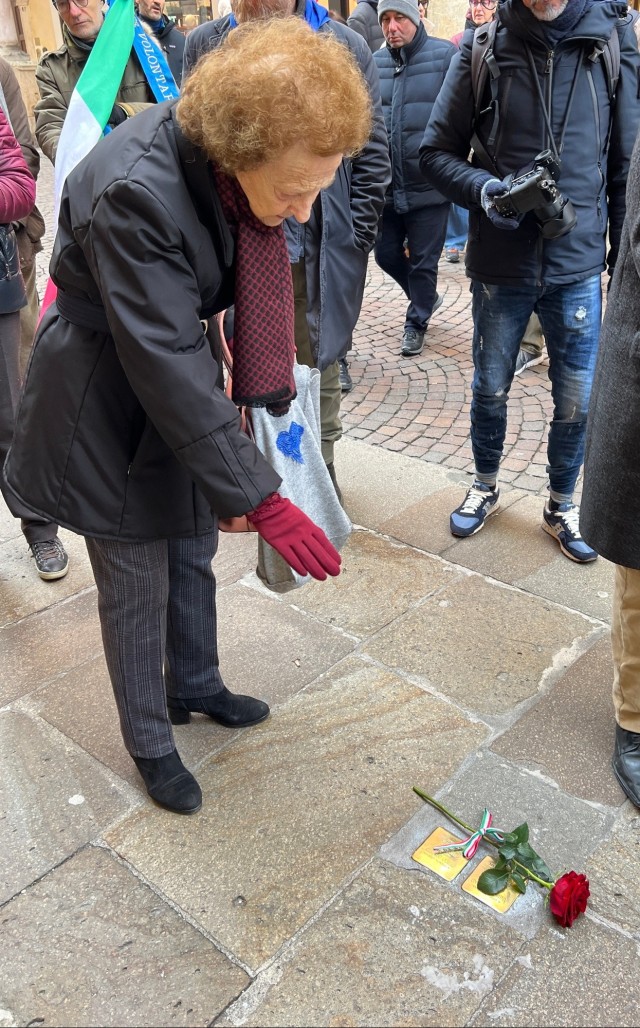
[
  {"x": 157, "y": 607},
  {"x": 425, "y": 230}
]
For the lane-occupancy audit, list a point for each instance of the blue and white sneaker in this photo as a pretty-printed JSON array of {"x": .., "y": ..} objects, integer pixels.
[
  {"x": 562, "y": 524},
  {"x": 470, "y": 516}
]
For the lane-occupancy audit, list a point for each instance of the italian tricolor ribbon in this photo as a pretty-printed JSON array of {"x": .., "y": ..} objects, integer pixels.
[{"x": 470, "y": 845}]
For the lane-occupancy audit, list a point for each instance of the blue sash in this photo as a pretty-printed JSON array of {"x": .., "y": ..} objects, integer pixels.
[
  {"x": 154, "y": 64},
  {"x": 314, "y": 14}
]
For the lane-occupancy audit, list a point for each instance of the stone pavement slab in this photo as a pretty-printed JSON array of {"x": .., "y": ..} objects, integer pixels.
[
  {"x": 475, "y": 673},
  {"x": 53, "y": 799},
  {"x": 613, "y": 873},
  {"x": 296, "y": 805},
  {"x": 270, "y": 649},
  {"x": 588, "y": 588},
  {"x": 378, "y": 582},
  {"x": 569, "y": 735},
  {"x": 377, "y": 484},
  {"x": 22, "y": 592},
  {"x": 51, "y": 641},
  {"x": 582, "y": 976},
  {"x": 92, "y": 945},
  {"x": 393, "y": 949},
  {"x": 562, "y": 829}
]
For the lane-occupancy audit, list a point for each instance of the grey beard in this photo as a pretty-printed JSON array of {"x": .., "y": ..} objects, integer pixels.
[{"x": 547, "y": 13}]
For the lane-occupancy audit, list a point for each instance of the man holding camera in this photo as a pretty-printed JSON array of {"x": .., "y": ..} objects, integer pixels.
[{"x": 549, "y": 105}]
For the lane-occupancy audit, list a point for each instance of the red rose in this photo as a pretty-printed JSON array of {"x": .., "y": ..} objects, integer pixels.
[{"x": 569, "y": 898}]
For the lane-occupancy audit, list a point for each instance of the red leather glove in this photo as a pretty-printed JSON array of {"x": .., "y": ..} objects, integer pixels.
[{"x": 296, "y": 538}]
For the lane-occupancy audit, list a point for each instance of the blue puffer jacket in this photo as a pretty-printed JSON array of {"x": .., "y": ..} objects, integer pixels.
[
  {"x": 410, "y": 79},
  {"x": 598, "y": 142}
]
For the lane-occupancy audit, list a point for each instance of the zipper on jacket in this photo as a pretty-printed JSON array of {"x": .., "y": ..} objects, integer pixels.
[{"x": 596, "y": 118}]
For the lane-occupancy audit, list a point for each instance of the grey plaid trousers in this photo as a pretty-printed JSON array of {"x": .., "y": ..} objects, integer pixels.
[{"x": 157, "y": 607}]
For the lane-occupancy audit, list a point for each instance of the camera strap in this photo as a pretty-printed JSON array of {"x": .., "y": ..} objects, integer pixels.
[
  {"x": 557, "y": 150},
  {"x": 484, "y": 63}
]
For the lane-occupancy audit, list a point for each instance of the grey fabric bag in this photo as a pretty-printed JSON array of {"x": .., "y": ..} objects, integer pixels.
[{"x": 291, "y": 444}]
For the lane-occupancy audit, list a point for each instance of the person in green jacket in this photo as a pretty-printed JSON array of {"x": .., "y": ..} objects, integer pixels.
[{"x": 59, "y": 71}]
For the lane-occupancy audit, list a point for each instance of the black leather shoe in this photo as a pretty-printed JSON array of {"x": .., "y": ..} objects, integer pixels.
[
  {"x": 169, "y": 783},
  {"x": 224, "y": 707},
  {"x": 51, "y": 558},
  {"x": 626, "y": 763}
]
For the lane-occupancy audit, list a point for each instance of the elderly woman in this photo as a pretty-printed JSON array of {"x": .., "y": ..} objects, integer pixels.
[{"x": 124, "y": 433}]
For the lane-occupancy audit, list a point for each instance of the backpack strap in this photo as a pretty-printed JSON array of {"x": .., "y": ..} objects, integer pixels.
[
  {"x": 483, "y": 65},
  {"x": 609, "y": 51}
]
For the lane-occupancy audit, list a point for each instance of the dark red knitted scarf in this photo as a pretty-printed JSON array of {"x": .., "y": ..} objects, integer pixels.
[{"x": 263, "y": 334}]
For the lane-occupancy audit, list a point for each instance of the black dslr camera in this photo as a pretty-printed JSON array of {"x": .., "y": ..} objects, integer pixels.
[{"x": 536, "y": 191}]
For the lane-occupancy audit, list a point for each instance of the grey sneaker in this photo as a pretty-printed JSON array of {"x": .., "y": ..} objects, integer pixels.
[
  {"x": 412, "y": 342},
  {"x": 51, "y": 558},
  {"x": 525, "y": 360}
]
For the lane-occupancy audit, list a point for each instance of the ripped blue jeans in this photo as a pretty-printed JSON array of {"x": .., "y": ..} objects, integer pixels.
[{"x": 570, "y": 317}]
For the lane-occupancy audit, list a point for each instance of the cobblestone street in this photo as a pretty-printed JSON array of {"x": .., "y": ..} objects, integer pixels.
[{"x": 420, "y": 406}]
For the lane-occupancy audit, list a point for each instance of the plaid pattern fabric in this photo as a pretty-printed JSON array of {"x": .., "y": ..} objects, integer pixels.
[
  {"x": 157, "y": 607},
  {"x": 263, "y": 337}
]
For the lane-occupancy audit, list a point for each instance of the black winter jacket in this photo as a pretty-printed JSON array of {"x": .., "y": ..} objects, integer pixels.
[
  {"x": 364, "y": 21},
  {"x": 124, "y": 430},
  {"x": 410, "y": 79},
  {"x": 598, "y": 143},
  {"x": 346, "y": 214}
]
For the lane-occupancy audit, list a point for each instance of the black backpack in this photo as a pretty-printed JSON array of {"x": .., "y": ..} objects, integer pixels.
[{"x": 484, "y": 65}]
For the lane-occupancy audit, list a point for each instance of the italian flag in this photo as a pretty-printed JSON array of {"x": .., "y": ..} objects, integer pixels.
[{"x": 92, "y": 100}]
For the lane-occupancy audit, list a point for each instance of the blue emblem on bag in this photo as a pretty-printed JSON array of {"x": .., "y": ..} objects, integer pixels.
[{"x": 289, "y": 442}]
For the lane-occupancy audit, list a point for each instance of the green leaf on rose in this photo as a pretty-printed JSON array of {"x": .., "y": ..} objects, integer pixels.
[
  {"x": 520, "y": 834},
  {"x": 518, "y": 882},
  {"x": 526, "y": 855},
  {"x": 493, "y": 881}
]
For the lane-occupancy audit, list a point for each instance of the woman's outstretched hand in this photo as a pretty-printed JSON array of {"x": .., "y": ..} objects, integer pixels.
[{"x": 296, "y": 537}]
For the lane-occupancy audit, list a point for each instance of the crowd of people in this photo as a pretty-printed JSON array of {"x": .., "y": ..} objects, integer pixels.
[{"x": 293, "y": 147}]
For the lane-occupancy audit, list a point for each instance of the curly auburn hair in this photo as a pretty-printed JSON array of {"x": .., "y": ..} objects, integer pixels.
[{"x": 270, "y": 85}]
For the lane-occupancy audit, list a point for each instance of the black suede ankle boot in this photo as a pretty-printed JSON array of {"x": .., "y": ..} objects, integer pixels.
[
  {"x": 224, "y": 707},
  {"x": 169, "y": 783}
]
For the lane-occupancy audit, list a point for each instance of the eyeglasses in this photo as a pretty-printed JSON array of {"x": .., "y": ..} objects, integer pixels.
[
  {"x": 63, "y": 5},
  {"x": 489, "y": 5}
]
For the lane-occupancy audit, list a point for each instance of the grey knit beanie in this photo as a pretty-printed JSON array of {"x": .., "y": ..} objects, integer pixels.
[{"x": 407, "y": 7}]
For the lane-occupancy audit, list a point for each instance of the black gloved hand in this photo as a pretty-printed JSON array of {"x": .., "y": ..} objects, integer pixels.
[
  {"x": 495, "y": 187},
  {"x": 117, "y": 116}
]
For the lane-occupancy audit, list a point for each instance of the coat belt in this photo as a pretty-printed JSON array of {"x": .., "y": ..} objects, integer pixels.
[{"x": 82, "y": 312}]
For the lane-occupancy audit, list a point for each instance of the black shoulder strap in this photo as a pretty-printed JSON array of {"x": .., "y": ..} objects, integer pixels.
[
  {"x": 609, "y": 51},
  {"x": 483, "y": 40},
  {"x": 483, "y": 64}
]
